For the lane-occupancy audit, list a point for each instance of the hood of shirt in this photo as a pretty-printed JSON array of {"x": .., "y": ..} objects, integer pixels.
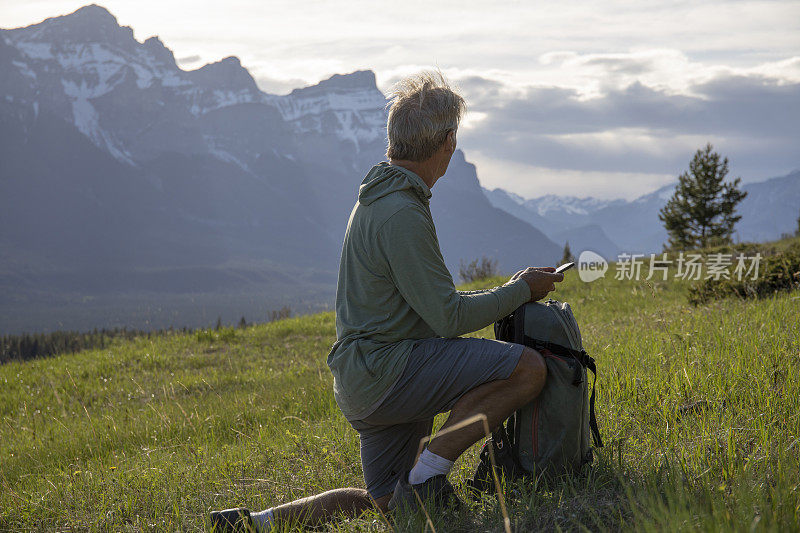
[{"x": 384, "y": 179}]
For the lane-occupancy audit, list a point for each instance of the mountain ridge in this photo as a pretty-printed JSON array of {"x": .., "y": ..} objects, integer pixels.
[
  {"x": 769, "y": 210},
  {"x": 117, "y": 160}
]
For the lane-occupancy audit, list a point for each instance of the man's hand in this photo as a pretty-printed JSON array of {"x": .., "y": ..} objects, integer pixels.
[{"x": 541, "y": 280}]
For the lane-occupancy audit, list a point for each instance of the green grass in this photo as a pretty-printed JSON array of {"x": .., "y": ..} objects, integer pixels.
[{"x": 699, "y": 407}]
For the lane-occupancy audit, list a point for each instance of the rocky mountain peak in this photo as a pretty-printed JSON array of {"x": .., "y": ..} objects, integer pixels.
[
  {"x": 94, "y": 13},
  {"x": 360, "y": 80},
  {"x": 226, "y": 74},
  {"x": 156, "y": 49},
  {"x": 348, "y": 106},
  {"x": 89, "y": 24}
]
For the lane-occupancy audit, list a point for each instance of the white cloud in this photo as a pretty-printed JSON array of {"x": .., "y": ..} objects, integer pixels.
[
  {"x": 636, "y": 129},
  {"x": 531, "y": 181}
]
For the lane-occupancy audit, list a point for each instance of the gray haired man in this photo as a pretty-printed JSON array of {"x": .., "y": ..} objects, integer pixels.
[{"x": 398, "y": 359}]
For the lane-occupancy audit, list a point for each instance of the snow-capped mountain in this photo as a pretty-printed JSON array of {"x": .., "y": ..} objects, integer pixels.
[
  {"x": 349, "y": 107},
  {"x": 117, "y": 162},
  {"x": 554, "y": 205},
  {"x": 564, "y": 219},
  {"x": 98, "y": 64},
  {"x": 611, "y": 226}
]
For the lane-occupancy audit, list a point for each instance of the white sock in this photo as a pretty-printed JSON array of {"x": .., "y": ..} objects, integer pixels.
[
  {"x": 428, "y": 465},
  {"x": 264, "y": 520}
]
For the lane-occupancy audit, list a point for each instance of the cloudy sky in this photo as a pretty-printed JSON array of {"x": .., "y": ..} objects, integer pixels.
[{"x": 608, "y": 99}]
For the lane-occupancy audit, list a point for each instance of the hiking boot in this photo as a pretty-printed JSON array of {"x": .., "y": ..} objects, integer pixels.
[
  {"x": 232, "y": 520},
  {"x": 436, "y": 490}
]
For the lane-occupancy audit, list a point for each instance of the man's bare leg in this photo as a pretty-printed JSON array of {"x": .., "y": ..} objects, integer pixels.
[
  {"x": 496, "y": 399},
  {"x": 319, "y": 509}
]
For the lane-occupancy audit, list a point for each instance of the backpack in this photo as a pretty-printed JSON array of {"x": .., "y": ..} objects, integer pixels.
[{"x": 550, "y": 435}]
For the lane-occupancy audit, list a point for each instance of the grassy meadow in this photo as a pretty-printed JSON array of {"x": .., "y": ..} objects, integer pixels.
[{"x": 699, "y": 408}]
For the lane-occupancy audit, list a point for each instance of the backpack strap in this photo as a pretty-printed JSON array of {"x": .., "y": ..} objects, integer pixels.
[
  {"x": 598, "y": 441},
  {"x": 519, "y": 325},
  {"x": 519, "y": 338},
  {"x": 557, "y": 349}
]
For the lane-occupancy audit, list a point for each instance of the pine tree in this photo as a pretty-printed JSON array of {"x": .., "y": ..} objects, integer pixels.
[
  {"x": 701, "y": 212},
  {"x": 567, "y": 257}
]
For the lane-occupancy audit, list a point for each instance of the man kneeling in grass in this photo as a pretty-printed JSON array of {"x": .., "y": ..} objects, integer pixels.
[{"x": 397, "y": 360}]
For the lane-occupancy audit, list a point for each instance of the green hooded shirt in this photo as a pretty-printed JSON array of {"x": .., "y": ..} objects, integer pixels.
[{"x": 394, "y": 290}]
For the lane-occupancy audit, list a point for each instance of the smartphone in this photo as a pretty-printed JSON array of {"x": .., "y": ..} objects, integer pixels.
[{"x": 565, "y": 266}]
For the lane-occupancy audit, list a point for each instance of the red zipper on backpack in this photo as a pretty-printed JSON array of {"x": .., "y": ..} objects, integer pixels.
[{"x": 545, "y": 353}]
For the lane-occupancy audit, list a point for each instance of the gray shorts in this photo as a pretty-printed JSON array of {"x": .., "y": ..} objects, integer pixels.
[{"x": 438, "y": 373}]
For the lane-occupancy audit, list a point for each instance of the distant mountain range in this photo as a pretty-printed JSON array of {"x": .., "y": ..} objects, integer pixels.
[
  {"x": 127, "y": 182},
  {"x": 609, "y": 227},
  {"x": 122, "y": 174}
]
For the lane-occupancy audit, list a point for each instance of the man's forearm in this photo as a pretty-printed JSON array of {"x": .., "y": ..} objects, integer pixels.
[{"x": 470, "y": 312}]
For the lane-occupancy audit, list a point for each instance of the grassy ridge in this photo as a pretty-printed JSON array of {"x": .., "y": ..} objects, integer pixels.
[{"x": 699, "y": 406}]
